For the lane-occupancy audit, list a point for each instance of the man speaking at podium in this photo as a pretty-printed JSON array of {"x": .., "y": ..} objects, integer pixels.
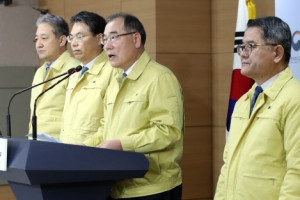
[
  {"x": 51, "y": 46},
  {"x": 143, "y": 113}
]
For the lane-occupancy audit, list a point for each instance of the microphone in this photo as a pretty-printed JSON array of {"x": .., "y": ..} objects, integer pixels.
[
  {"x": 8, "y": 122},
  {"x": 34, "y": 117}
]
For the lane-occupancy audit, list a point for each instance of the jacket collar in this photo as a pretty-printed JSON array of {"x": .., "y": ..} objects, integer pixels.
[
  {"x": 61, "y": 59},
  {"x": 273, "y": 91},
  {"x": 99, "y": 62},
  {"x": 139, "y": 66}
]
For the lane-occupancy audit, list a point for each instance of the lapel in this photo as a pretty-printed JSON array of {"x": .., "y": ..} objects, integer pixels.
[
  {"x": 55, "y": 70},
  {"x": 40, "y": 78},
  {"x": 139, "y": 67},
  {"x": 243, "y": 113},
  {"x": 58, "y": 64},
  {"x": 94, "y": 70}
]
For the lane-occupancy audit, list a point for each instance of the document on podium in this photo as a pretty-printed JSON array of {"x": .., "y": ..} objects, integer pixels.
[
  {"x": 3, "y": 154},
  {"x": 45, "y": 137}
]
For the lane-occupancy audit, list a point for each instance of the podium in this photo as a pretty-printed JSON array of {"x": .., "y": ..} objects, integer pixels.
[{"x": 38, "y": 170}]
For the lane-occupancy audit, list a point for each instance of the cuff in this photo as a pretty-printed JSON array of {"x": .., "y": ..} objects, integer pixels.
[
  {"x": 93, "y": 141},
  {"x": 127, "y": 143}
]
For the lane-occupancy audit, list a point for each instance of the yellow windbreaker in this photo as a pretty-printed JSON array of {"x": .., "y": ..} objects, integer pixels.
[
  {"x": 262, "y": 154},
  {"x": 146, "y": 113},
  {"x": 50, "y": 106},
  {"x": 84, "y": 101}
]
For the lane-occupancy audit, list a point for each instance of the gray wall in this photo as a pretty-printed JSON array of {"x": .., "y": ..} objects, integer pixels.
[
  {"x": 12, "y": 80},
  {"x": 17, "y": 31},
  {"x": 18, "y": 61}
]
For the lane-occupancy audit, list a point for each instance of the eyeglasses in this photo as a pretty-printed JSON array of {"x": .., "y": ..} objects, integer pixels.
[
  {"x": 114, "y": 37},
  {"x": 247, "y": 48},
  {"x": 78, "y": 37}
]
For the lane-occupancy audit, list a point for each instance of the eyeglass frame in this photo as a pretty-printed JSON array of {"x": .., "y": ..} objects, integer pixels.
[
  {"x": 78, "y": 39},
  {"x": 104, "y": 40},
  {"x": 248, "y": 50}
]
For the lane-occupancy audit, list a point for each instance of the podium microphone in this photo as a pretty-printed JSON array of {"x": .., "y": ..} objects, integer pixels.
[
  {"x": 8, "y": 122},
  {"x": 34, "y": 118}
]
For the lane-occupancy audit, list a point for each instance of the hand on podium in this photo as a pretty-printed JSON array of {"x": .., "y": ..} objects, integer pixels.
[{"x": 111, "y": 144}]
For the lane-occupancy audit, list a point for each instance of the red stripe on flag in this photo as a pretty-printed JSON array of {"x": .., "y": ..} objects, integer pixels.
[{"x": 240, "y": 84}]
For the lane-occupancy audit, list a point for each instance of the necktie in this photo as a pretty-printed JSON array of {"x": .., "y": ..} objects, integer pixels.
[
  {"x": 84, "y": 69},
  {"x": 258, "y": 90},
  {"x": 123, "y": 76},
  {"x": 47, "y": 70}
]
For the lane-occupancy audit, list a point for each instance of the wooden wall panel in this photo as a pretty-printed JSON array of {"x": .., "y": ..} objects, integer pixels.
[
  {"x": 218, "y": 143},
  {"x": 194, "y": 73},
  {"x": 265, "y": 8},
  {"x": 56, "y": 7},
  {"x": 223, "y": 25},
  {"x": 145, "y": 11},
  {"x": 221, "y": 82},
  {"x": 196, "y": 163},
  {"x": 183, "y": 27},
  {"x": 101, "y": 7},
  {"x": 6, "y": 193}
]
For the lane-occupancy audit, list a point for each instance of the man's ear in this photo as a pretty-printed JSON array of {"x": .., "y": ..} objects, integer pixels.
[
  {"x": 62, "y": 40},
  {"x": 98, "y": 37},
  {"x": 279, "y": 53},
  {"x": 137, "y": 39}
]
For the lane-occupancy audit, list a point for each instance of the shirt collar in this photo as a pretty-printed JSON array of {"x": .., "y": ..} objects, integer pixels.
[
  {"x": 90, "y": 63},
  {"x": 269, "y": 82},
  {"x": 130, "y": 69},
  {"x": 50, "y": 66}
]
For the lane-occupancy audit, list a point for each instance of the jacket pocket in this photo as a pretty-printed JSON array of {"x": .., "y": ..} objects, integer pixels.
[
  {"x": 255, "y": 186},
  {"x": 49, "y": 118},
  {"x": 135, "y": 104},
  {"x": 270, "y": 180},
  {"x": 91, "y": 86},
  {"x": 141, "y": 98}
]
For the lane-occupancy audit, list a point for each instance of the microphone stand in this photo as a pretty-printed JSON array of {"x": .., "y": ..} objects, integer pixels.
[
  {"x": 34, "y": 118},
  {"x": 8, "y": 122}
]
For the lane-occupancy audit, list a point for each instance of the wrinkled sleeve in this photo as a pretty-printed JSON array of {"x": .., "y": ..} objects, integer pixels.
[
  {"x": 97, "y": 138},
  {"x": 220, "y": 190},
  {"x": 290, "y": 188},
  {"x": 165, "y": 114}
]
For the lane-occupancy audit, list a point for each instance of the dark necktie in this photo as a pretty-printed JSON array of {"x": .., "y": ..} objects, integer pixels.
[
  {"x": 123, "y": 75},
  {"x": 258, "y": 90},
  {"x": 84, "y": 69}
]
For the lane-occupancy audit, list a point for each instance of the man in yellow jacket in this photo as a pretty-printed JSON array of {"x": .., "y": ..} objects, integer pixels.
[
  {"x": 261, "y": 157},
  {"x": 143, "y": 113},
  {"x": 84, "y": 99},
  {"x": 51, "y": 46}
]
